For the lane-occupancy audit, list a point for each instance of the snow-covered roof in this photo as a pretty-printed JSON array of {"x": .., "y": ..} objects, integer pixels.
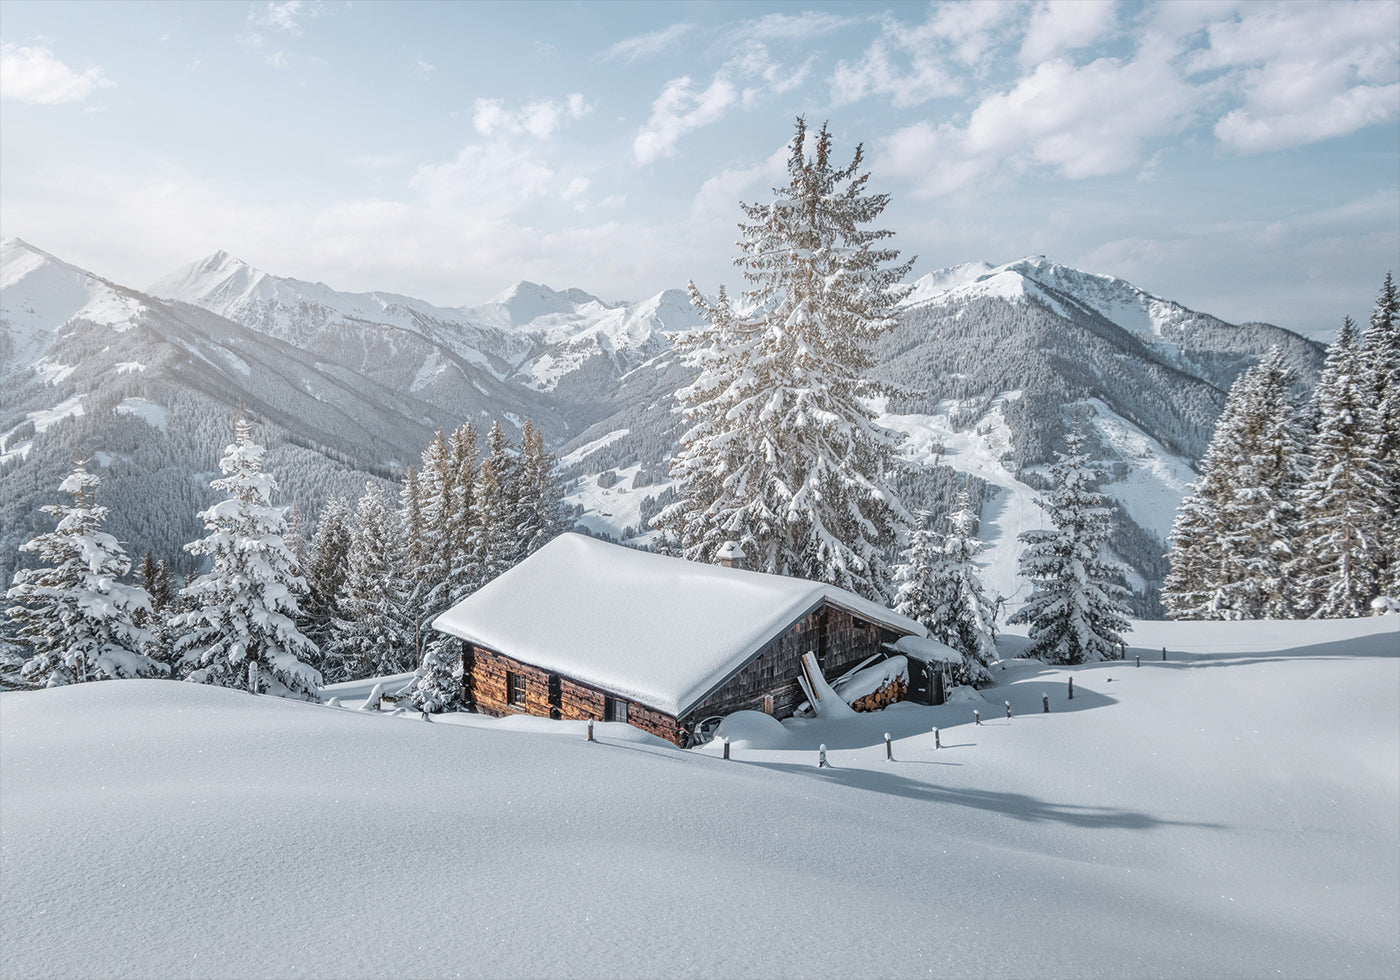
[
  {"x": 662, "y": 631},
  {"x": 931, "y": 651}
]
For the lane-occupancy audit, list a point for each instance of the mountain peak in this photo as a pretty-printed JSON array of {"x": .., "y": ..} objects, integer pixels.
[{"x": 200, "y": 280}]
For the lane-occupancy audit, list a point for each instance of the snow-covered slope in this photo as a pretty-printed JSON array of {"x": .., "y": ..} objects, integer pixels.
[
  {"x": 40, "y": 294},
  {"x": 1233, "y": 812}
]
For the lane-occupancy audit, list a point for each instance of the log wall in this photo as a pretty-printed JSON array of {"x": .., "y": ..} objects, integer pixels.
[{"x": 486, "y": 671}]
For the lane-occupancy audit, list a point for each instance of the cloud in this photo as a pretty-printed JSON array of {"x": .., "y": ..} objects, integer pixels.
[
  {"x": 649, "y": 45},
  {"x": 911, "y": 64},
  {"x": 1305, "y": 72},
  {"x": 680, "y": 108},
  {"x": 284, "y": 18},
  {"x": 490, "y": 117},
  {"x": 720, "y": 194},
  {"x": 791, "y": 27},
  {"x": 1057, "y": 26},
  {"x": 1083, "y": 121},
  {"x": 35, "y": 76}
]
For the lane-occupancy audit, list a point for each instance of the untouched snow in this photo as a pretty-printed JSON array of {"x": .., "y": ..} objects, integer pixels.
[
  {"x": 661, "y": 631},
  {"x": 611, "y": 510},
  {"x": 1226, "y": 814},
  {"x": 148, "y": 411}
]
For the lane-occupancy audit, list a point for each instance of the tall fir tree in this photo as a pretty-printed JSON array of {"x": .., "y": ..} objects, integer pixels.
[
  {"x": 324, "y": 568},
  {"x": 967, "y": 618},
  {"x": 1075, "y": 611},
  {"x": 1234, "y": 539},
  {"x": 79, "y": 622},
  {"x": 1381, "y": 351},
  {"x": 495, "y": 538},
  {"x": 375, "y": 632},
  {"x": 154, "y": 576},
  {"x": 782, "y": 455},
  {"x": 463, "y": 575},
  {"x": 244, "y": 609},
  {"x": 1342, "y": 550},
  {"x": 539, "y": 497}
]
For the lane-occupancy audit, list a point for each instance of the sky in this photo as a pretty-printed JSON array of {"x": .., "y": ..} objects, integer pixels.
[{"x": 1240, "y": 158}]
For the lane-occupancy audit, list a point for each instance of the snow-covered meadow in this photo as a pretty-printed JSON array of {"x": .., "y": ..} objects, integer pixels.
[{"x": 1234, "y": 811}]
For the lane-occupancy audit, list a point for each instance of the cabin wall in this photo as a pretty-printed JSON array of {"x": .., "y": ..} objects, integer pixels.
[
  {"x": 839, "y": 640},
  {"x": 485, "y": 672}
]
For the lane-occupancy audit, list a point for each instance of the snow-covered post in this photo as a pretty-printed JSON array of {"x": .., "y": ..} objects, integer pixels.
[
  {"x": 1139, "y": 660},
  {"x": 976, "y": 717},
  {"x": 821, "y": 757},
  {"x": 252, "y": 677},
  {"x": 590, "y": 730},
  {"x": 1071, "y": 688},
  {"x": 726, "y": 748},
  {"x": 1164, "y": 654},
  {"x": 889, "y": 749},
  {"x": 1008, "y": 708},
  {"x": 1045, "y": 703},
  {"x": 936, "y": 743}
]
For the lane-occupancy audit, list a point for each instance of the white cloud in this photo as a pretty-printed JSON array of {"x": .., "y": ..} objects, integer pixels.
[
  {"x": 648, "y": 45},
  {"x": 490, "y": 117},
  {"x": 1057, "y": 26},
  {"x": 911, "y": 64},
  {"x": 577, "y": 187},
  {"x": 34, "y": 75},
  {"x": 720, "y": 194},
  {"x": 791, "y": 27},
  {"x": 1083, "y": 121},
  {"x": 1305, "y": 72},
  {"x": 495, "y": 177},
  {"x": 677, "y": 110},
  {"x": 876, "y": 74}
]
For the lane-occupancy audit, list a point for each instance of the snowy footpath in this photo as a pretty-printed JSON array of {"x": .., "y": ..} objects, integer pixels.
[{"x": 1231, "y": 812}]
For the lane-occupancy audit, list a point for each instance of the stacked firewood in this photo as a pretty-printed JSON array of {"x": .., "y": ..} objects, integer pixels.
[{"x": 885, "y": 696}]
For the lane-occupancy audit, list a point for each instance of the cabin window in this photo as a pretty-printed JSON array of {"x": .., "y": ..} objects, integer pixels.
[
  {"x": 614, "y": 709},
  {"x": 515, "y": 688}
]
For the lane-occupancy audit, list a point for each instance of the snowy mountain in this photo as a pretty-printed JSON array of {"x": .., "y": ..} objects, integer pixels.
[{"x": 995, "y": 358}]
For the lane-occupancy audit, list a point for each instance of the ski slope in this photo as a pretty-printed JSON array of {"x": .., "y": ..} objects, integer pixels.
[{"x": 1233, "y": 812}]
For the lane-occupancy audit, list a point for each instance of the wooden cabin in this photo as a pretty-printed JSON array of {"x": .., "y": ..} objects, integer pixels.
[{"x": 585, "y": 629}]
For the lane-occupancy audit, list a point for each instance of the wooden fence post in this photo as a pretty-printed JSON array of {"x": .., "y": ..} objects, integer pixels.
[
  {"x": 590, "y": 730},
  {"x": 1045, "y": 703},
  {"x": 821, "y": 757},
  {"x": 726, "y": 748},
  {"x": 1071, "y": 688},
  {"x": 936, "y": 743},
  {"x": 1008, "y": 708},
  {"x": 889, "y": 749},
  {"x": 976, "y": 717}
]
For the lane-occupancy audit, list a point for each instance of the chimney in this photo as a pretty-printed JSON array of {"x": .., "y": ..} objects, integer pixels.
[{"x": 730, "y": 555}]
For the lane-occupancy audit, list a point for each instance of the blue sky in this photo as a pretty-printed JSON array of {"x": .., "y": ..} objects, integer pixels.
[{"x": 1242, "y": 158}]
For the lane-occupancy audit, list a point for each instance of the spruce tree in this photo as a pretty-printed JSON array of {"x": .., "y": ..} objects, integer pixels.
[
  {"x": 324, "y": 568},
  {"x": 154, "y": 576},
  {"x": 243, "y": 610},
  {"x": 437, "y": 685},
  {"x": 1381, "y": 351},
  {"x": 966, "y": 620},
  {"x": 495, "y": 539},
  {"x": 78, "y": 621},
  {"x": 782, "y": 455},
  {"x": 539, "y": 501},
  {"x": 1341, "y": 550},
  {"x": 375, "y": 632},
  {"x": 1075, "y": 611},
  {"x": 1233, "y": 540}
]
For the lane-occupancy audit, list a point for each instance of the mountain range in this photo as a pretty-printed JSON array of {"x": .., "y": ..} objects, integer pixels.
[{"x": 994, "y": 361}]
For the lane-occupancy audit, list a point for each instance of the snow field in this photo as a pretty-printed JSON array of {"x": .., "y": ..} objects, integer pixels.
[{"x": 1230, "y": 813}]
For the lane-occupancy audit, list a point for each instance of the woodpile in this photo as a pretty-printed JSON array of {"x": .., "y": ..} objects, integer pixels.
[{"x": 884, "y": 697}]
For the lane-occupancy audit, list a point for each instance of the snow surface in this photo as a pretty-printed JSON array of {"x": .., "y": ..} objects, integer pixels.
[
  {"x": 1226, "y": 814},
  {"x": 144, "y": 409},
  {"x": 611, "y": 510},
  {"x": 658, "y": 630}
]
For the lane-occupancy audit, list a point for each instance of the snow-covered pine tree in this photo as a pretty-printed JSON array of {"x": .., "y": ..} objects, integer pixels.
[
  {"x": 1234, "y": 536},
  {"x": 77, "y": 619},
  {"x": 966, "y": 619},
  {"x": 324, "y": 569},
  {"x": 1340, "y": 552},
  {"x": 437, "y": 685},
  {"x": 375, "y": 634},
  {"x": 915, "y": 591},
  {"x": 244, "y": 608},
  {"x": 463, "y": 575},
  {"x": 538, "y": 516},
  {"x": 782, "y": 454},
  {"x": 154, "y": 576},
  {"x": 437, "y": 482},
  {"x": 1381, "y": 350},
  {"x": 495, "y": 538},
  {"x": 1076, "y": 613}
]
